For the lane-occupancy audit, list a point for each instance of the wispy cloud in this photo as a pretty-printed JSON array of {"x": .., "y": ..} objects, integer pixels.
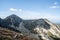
[
  {"x": 54, "y": 7},
  {"x": 20, "y": 10},
  {"x": 13, "y": 9},
  {"x": 55, "y": 3}
]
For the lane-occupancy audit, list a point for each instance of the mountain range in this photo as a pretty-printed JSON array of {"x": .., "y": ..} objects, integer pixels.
[{"x": 41, "y": 29}]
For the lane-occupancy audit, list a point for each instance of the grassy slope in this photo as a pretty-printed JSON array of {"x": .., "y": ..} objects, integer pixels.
[{"x": 6, "y": 34}]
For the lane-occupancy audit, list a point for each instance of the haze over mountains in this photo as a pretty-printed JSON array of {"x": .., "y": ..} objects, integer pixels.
[{"x": 38, "y": 28}]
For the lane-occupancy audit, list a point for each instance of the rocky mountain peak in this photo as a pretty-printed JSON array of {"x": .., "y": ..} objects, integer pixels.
[
  {"x": 13, "y": 20},
  {"x": 13, "y": 16}
]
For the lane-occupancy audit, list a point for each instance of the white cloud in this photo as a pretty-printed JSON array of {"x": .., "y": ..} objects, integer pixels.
[
  {"x": 54, "y": 7},
  {"x": 20, "y": 10},
  {"x": 55, "y": 3},
  {"x": 13, "y": 9}
]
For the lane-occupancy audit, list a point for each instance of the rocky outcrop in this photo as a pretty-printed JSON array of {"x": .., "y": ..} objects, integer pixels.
[
  {"x": 13, "y": 20},
  {"x": 0, "y": 21},
  {"x": 46, "y": 33}
]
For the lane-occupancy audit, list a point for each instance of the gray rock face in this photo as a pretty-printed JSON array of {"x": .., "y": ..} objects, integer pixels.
[
  {"x": 13, "y": 19},
  {"x": 0, "y": 21}
]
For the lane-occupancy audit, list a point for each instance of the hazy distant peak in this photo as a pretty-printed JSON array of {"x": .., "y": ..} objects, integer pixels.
[{"x": 13, "y": 16}]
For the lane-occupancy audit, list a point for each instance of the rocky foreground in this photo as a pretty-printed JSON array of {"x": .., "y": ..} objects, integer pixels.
[{"x": 6, "y": 34}]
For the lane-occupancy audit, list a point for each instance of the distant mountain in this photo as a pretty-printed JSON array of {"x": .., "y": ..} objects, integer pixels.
[
  {"x": 13, "y": 20},
  {"x": 9, "y": 21},
  {"x": 39, "y": 28}
]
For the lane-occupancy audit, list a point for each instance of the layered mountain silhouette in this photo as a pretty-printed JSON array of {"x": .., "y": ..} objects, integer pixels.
[{"x": 42, "y": 29}]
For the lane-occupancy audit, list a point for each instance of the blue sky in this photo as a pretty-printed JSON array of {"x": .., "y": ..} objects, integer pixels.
[{"x": 31, "y": 9}]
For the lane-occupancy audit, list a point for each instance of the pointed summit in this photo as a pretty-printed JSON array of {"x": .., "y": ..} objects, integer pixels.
[
  {"x": 13, "y": 20},
  {"x": 13, "y": 17}
]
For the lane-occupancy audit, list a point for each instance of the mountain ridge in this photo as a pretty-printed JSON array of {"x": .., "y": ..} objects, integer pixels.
[{"x": 33, "y": 28}]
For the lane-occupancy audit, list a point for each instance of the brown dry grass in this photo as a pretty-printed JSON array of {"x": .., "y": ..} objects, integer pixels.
[{"x": 6, "y": 34}]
